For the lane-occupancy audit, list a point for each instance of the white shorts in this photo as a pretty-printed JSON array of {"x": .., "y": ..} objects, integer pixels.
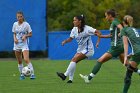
[
  {"x": 20, "y": 48},
  {"x": 87, "y": 53}
]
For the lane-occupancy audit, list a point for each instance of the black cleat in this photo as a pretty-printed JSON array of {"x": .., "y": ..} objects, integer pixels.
[
  {"x": 61, "y": 75},
  {"x": 69, "y": 81}
]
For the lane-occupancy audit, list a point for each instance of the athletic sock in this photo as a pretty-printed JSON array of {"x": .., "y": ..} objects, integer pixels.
[
  {"x": 71, "y": 67},
  {"x": 127, "y": 81},
  {"x": 71, "y": 74},
  {"x": 95, "y": 70},
  {"x": 31, "y": 67},
  {"x": 138, "y": 71},
  {"x": 20, "y": 67}
]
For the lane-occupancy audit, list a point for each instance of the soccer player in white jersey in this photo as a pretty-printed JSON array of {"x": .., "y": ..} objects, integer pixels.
[
  {"x": 21, "y": 31},
  {"x": 82, "y": 33}
]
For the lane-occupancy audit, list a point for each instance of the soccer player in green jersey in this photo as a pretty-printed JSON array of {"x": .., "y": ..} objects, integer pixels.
[
  {"x": 116, "y": 49},
  {"x": 130, "y": 36}
]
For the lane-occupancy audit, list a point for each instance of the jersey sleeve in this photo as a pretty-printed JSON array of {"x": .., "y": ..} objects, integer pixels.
[
  {"x": 123, "y": 32},
  {"x": 13, "y": 28},
  {"x": 29, "y": 28},
  {"x": 116, "y": 23},
  {"x": 72, "y": 34},
  {"x": 91, "y": 31}
]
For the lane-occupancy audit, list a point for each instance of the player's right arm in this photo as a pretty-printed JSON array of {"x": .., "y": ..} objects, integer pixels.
[
  {"x": 15, "y": 39},
  {"x": 67, "y": 40},
  {"x": 72, "y": 35},
  {"x": 14, "y": 35},
  {"x": 105, "y": 36}
]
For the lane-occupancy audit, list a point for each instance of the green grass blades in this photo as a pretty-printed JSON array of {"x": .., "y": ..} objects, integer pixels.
[{"x": 108, "y": 80}]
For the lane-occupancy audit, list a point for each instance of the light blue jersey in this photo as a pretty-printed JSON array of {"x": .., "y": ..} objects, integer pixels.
[{"x": 83, "y": 39}]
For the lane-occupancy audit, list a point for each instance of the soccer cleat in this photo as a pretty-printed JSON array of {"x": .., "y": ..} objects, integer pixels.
[
  {"x": 32, "y": 77},
  {"x": 22, "y": 77},
  {"x": 70, "y": 81},
  {"x": 61, "y": 75},
  {"x": 85, "y": 78}
]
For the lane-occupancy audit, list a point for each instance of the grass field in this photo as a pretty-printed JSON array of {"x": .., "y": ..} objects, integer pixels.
[{"x": 108, "y": 80}]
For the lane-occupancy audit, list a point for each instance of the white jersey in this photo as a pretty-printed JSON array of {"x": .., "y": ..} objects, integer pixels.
[
  {"x": 83, "y": 39},
  {"x": 20, "y": 31}
]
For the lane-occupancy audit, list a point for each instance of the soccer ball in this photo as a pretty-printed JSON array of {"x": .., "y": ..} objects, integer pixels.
[{"x": 26, "y": 71}]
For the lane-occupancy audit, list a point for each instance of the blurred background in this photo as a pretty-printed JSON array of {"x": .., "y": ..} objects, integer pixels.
[{"x": 51, "y": 22}]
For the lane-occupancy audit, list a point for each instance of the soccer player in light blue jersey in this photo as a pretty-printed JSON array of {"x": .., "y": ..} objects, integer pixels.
[
  {"x": 22, "y": 31},
  {"x": 82, "y": 33}
]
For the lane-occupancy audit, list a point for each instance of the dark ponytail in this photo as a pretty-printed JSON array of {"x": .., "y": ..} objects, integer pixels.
[{"x": 82, "y": 19}]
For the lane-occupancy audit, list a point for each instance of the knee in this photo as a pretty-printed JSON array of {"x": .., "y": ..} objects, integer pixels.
[
  {"x": 132, "y": 68},
  {"x": 74, "y": 59},
  {"x": 101, "y": 60}
]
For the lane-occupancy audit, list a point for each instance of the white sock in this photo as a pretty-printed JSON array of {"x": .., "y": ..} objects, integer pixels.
[
  {"x": 31, "y": 67},
  {"x": 71, "y": 74},
  {"x": 20, "y": 67},
  {"x": 71, "y": 66},
  {"x": 91, "y": 74},
  {"x": 138, "y": 71}
]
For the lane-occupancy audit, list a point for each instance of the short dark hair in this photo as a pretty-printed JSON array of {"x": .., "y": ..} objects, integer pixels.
[{"x": 111, "y": 12}]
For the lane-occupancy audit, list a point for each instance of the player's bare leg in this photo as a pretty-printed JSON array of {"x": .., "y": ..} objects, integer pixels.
[
  {"x": 121, "y": 57},
  {"x": 18, "y": 55},
  {"x": 71, "y": 68},
  {"x": 29, "y": 64}
]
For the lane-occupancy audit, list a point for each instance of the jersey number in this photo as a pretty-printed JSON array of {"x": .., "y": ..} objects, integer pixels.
[{"x": 136, "y": 32}]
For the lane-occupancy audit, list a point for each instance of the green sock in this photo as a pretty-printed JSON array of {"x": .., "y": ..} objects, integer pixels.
[
  {"x": 127, "y": 80},
  {"x": 95, "y": 69}
]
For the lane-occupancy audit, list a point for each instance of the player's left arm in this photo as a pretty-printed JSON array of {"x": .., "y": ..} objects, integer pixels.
[
  {"x": 26, "y": 35},
  {"x": 29, "y": 34}
]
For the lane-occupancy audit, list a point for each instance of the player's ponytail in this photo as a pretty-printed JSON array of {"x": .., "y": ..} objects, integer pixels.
[
  {"x": 128, "y": 20},
  {"x": 82, "y": 19}
]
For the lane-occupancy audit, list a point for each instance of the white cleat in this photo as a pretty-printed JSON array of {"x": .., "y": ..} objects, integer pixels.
[{"x": 85, "y": 77}]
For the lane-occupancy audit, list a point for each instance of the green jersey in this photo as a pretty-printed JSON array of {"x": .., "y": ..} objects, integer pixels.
[
  {"x": 133, "y": 38},
  {"x": 115, "y": 40}
]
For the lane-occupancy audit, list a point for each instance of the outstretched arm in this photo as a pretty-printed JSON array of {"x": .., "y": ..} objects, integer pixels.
[
  {"x": 66, "y": 41},
  {"x": 98, "y": 33},
  {"x": 105, "y": 36}
]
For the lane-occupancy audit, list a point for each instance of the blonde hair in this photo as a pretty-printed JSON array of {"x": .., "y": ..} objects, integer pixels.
[{"x": 128, "y": 20}]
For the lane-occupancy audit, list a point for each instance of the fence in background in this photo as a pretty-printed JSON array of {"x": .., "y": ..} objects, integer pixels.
[
  {"x": 35, "y": 15},
  {"x": 56, "y": 51}
]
